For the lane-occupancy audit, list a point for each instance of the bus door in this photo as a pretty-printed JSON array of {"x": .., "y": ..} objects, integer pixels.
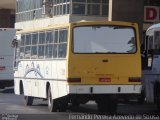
[
  {"x": 15, "y": 45},
  {"x": 147, "y": 54}
]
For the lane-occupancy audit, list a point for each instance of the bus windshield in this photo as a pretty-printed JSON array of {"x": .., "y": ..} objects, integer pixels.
[{"x": 104, "y": 39}]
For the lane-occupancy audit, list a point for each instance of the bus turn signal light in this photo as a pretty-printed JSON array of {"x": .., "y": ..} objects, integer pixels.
[
  {"x": 134, "y": 79},
  {"x": 74, "y": 80}
]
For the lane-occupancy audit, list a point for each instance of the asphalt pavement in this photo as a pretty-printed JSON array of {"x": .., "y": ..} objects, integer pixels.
[{"x": 12, "y": 108}]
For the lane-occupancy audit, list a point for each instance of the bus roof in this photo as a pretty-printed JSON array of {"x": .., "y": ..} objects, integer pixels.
[
  {"x": 109, "y": 22},
  {"x": 20, "y": 31},
  {"x": 154, "y": 26}
]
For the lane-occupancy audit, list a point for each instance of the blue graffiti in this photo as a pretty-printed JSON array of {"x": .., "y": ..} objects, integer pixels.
[{"x": 34, "y": 69}]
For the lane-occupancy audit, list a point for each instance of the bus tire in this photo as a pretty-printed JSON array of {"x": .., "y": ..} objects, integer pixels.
[
  {"x": 74, "y": 101},
  {"x": 157, "y": 95},
  {"x": 158, "y": 103},
  {"x": 2, "y": 86},
  {"x": 75, "y": 104},
  {"x": 62, "y": 104},
  {"x": 141, "y": 98},
  {"x": 52, "y": 106},
  {"x": 158, "y": 98},
  {"x": 28, "y": 100},
  {"x": 107, "y": 105},
  {"x": 56, "y": 105}
]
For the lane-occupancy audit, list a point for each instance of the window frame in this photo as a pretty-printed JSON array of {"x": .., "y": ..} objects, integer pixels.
[
  {"x": 41, "y": 44},
  {"x": 57, "y": 43},
  {"x": 87, "y": 3},
  {"x": 72, "y": 43}
]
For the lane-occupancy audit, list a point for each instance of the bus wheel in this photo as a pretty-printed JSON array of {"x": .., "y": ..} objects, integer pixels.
[
  {"x": 56, "y": 105},
  {"x": 158, "y": 99},
  {"x": 75, "y": 104},
  {"x": 62, "y": 104},
  {"x": 28, "y": 100},
  {"x": 108, "y": 105},
  {"x": 141, "y": 98},
  {"x": 2, "y": 86},
  {"x": 52, "y": 106}
]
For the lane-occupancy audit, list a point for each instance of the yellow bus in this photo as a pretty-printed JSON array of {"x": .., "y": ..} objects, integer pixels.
[{"x": 78, "y": 62}]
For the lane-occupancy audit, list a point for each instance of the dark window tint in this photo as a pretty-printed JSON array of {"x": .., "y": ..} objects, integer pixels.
[
  {"x": 93, "y": 9},
  {"x": 21, "y": 52},
  {"x": 27, "y": 52},
  {"x": 41, "y": 51},
  {"x": 41, "y": 37},
  {"x": 63, "y": 36},
  {"x": 56, "y": 35},
  {"x": 49, "y": 51},
  {"x": 93, "y": 1},
  {"x": 78, "y": 8},
  {"x": 105, "y": 10},
  {"x": 34, "y": 38},
  {"x": 22, "y": 40},
  {"x": 55, "y": 50},
  {"x": 49, "y": 37},
  {"x": 62, "y": 50},
  {"x": 34, "y": 52},
  {"x": 28, "y": 39}
]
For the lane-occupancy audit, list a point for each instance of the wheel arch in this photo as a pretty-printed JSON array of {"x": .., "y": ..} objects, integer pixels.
[
  {"x": 47, "y": 87},
  {"x": 21, "y": 87}
]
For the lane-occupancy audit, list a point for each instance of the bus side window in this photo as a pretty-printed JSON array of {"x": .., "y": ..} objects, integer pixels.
[
  {"x": 28, "y": 46},
  {"x": 22, "y": 43},
  {"x": 55, "y": 43},
  {"x": 41, "y": 45},
  {"x": 63, "y": 35},
  {"x": 34, "y": 45},
  {"x": 49, "y": 44}
]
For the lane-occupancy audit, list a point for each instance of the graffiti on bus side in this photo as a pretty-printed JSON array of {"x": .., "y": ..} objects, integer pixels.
[{"x": 33, "y": 71}]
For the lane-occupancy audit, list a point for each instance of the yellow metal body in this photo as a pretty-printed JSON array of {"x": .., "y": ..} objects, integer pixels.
[{"x": 90, "y": 67}]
